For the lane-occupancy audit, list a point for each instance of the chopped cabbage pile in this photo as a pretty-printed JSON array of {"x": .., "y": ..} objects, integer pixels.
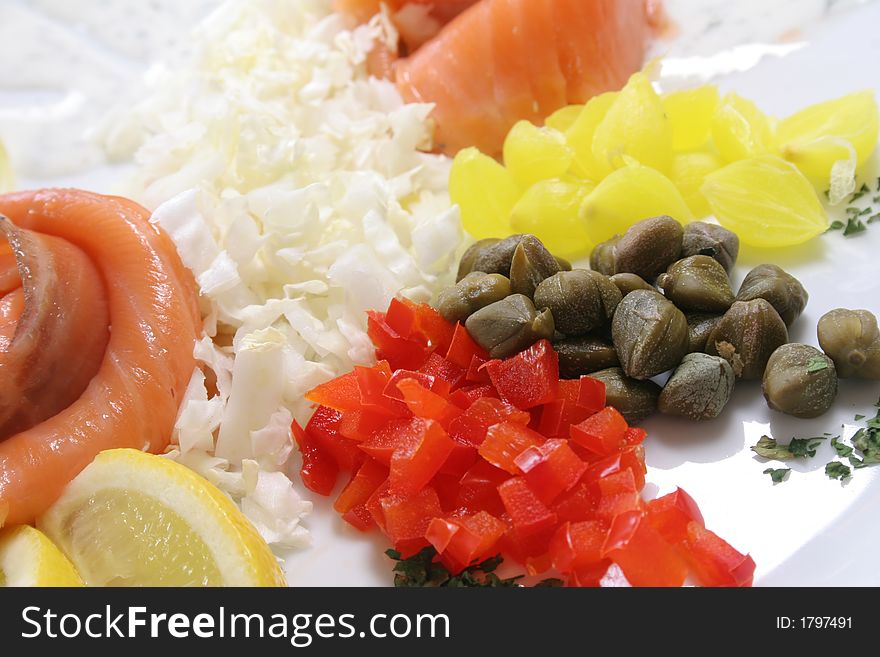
[{"x": 299, "y": 192}]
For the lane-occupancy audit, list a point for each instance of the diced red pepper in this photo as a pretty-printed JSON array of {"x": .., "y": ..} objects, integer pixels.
[
  {"x": 360, "y": 425},
  {"x": 589, "y": 576},
  {"x": 642, "y": 554},
  {"x": 616, "y": 483},
  {"x": 382, "y": 443},
  {"x": 324, "y": 427},
  {"x": 611, "y": 506},
  {"x": 392, "y": 389},
  {"x": 476, "y": 373},
  {"x": 671, "y": 514},
  {"x": 463, "y": 349},
  {"x": 372, "y": 382},
  {"x": 341, "y": 393},
  {"x": 468, "y": 395},
  {"x": 407, "y": 518},
  {"x": 634, "y": 436},
  {"x": 401, "y": 317},
  {"x": 714, "y": 561},
  {"x": 602, "y": 433},
  {"x": 470, "y": 428},
  {"x": 461, "y": 541},
  {"x": 591, "y": 394},
  {"x": 578, "y": 504},
  {"x": 319, "y": 470},
  {"x": 373, "y": 505},
  {"x": 400, "y": 352},
  {"x": 478, "y": 488},
  {"x": 528, "y": 514},
  {"x": 460, "y": 460},
  {"x": 362, "y": 485},
  {"x": 578, "y": 545},
  {"x": 558, "y": 416},
  {"x": 419, "y": 457},
  {"x": 359, "y": 518},
  {"x": 505, "y": 441},
  {"x": 530, "y": 378},
  {"x": 444, "y": 370},
  {"x": 550, "y": 469},
  {"x": 632, "y": 458},
  {"x": 434, "y": 328},
  {"x": 527, "y": 549},
  {"x": 426, "y": 404}
]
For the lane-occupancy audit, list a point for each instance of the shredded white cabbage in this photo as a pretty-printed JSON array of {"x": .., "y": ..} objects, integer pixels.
[{"x": 298, "y": 191}]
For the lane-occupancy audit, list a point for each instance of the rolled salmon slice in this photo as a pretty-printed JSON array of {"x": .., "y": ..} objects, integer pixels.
[
  {"x": 587, "y": 46},
  {"x": 152, "y": 312}
]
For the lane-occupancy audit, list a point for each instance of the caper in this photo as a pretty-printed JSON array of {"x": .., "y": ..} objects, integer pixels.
[
  {"x": 495, "y": 257},
  {"x": 649, "y": 333},
  {"x": 701, "y": 238},
  {"x": 508, "y": 326},
  {"x": 603, "y": 255},
  {"x": 800, "y": 380},
  {"x": 699, "y": 389},
  {"x": 580, "y": 300},
  {"x": 700, "y": 325},
  {"x": 852, "y": 340},
  {"x": 564, "y": 265},
  {"x": 626, "y": 283},
  {"x": 466, "y": 264},
  {"x": 634, "y": 399},
  {"x": 781, "y": 289},
  {"x": 531, "y": 264},
  {"x": 476, "y": 290},
  {"x": 697, "y": 283},
  {"x": 583, "y": 355},
  {"x": 649, "y": 247},
  {"x": 746, "y": 336}
]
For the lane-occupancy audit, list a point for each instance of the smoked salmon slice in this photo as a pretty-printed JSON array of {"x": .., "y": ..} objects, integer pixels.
[
  {"x": 537, "y": 56},
  {"x": 151, "y": 324}
]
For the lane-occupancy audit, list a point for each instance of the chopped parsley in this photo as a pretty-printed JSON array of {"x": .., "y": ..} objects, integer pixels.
[
  {"x": 859, "y": 193},
  {"x": 420, "y": 570},
  {"x": 777, "y": 474},
  {"x": 842, "y": 450},
  {"x": 797, "y": 448},
  {"x": 854, "y": 226},
  {"x": 816, "y": 364},
  {"x": 836, "y": 225},
  {"x": 837, "y": 470}
]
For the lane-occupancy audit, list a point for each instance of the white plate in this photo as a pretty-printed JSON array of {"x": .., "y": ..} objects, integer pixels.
[{"x": 809, "y": 530}]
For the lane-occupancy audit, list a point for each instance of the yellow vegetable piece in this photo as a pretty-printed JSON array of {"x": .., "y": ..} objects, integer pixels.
[
  {"x": 532, "y": 153},
  {"x": 562, "y": 119},
  {"x": 741, "y": 130},
  {"x": 690, "y": 112},
  {"x": 485, "y": 192},
  {"x": 580, "y": 137},
  {"x": 635, "y": 126},
  {"x": 550, "y": 211},
  {"x": 29, "y": 558},
  {"x": 136, "y": 519},
  {"x": 822, "y": 134},
  {"x": 689, "y": 170},
  {"x": 627, "y": 196},
  {"x": 766, "y": 201}
]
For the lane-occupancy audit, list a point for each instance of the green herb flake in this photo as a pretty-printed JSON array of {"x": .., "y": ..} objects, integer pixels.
[
  {"x": 858, "y": 417},
  {"x": 860, "y": 193},
  {"x": 842, "y": 450},
  {"x": 852, "y": 210},
  {"x": 875, "y": 199},
  {"x": 873, "y": 218},
  {"x": 421, "y": 570},
  {"x": 797, "y": 448},
  {"x": 854, "y": 226},
  {"x": 878, "y": 184},
  {"x": 836, "y": 225},
  {"x": 816, "y": 364},
  {"x": 837, "y": 470},
  {"x": 778, "y": 475}
]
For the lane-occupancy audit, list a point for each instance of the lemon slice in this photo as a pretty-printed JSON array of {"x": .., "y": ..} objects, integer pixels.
[
  {"x": 29, "y": 558},
  {"x": 134, "y": 519}
]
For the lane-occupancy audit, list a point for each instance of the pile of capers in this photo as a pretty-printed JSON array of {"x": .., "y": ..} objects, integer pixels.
[{"x": 658, "y": 299}]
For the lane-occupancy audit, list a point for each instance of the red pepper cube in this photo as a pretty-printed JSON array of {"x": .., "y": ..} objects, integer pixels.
[
  {"x": 359, "y": 518},
  {"x": 460, "y": 460},
  {"x": 401, "y": 316},
  {"x": 324, "y": 427},
  {"x": 550, "y": 469},
  {"x": 419, "y": 457},
  {"x": 601, "y": 433},
  {"x": 526, "y": 549},
  {"x": 530, "y": 378},
  {"x": 671, "y": 514},
  {"x": 634, "y": 436},
  {"x": 360, "y": 425},
  {"x": 471, "y": 427},
  {"x": 578, "y": 504},
  {"x": 642, "y": 554},
  {"x": 576, "y": 545},
  {"x": 407, "y": 518},
  {"x": 362, "y": 485},
  {"x": 632, "y": 458},
  {"x": 558, "y": 416},
  {"x": 468, "y": 395},
  {"x": 341, "y": 393},
  {"x": 462, "y": 541},
  {"x": 478, "y": 488},
  {"x": 436, "y": 330},
  {"x": 319, "y": 470},
  {"x": 527, "y": 512},
  {"x": 392, "y": 391},
  {"x": 426, "y": 404},
  {"x": 505, "y": 441},
  {"x": 382, "y": 444},
  {"x": 444, "y": 370},
  {"x": 591, "y": 394},
  {"x": 613, "y": 505},
  {"x": 714, "y": 561},
  {"x": 616, "y": 483},
  {"x": 463, "y": 349},
  {"x": 400, "y": 352},
  {"x": 476, "y": 372},
  {"x": 588, "y": 576}
]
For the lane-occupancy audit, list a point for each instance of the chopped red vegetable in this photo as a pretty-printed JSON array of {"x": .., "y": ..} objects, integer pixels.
[{"x": 476, "y": 457}]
